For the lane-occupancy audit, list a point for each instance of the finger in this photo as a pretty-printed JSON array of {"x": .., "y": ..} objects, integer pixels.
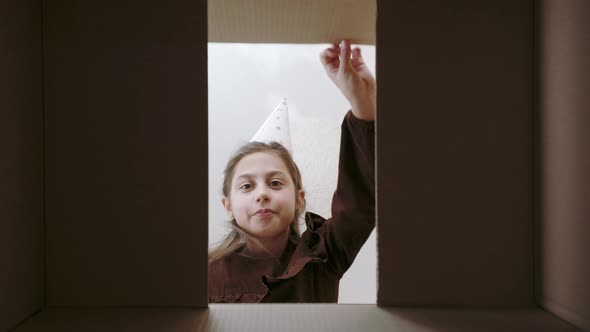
[
  {"x": 329, "y": 59},
  {"x": 357, "y": 58},
  {"x": 336, "y": 47},
  {"x": 345, "y": 56},
  {"x": 330, "y": 52},
  {"x": 356, "y": 52}
]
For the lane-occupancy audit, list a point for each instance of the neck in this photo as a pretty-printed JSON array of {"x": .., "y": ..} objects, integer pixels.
[{"x": 273, "y": 247}]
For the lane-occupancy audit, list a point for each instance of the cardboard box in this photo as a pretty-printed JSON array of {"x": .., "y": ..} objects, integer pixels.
[{"x": 480, "y": 138}]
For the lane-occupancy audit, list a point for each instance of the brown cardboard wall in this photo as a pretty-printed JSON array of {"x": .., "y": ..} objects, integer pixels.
[
  {"x": 126, "y": 141},
  {"x": 565, "y": 155},
  {"x": 455, "y": 152},
  {"x": 21, "y": 162}
]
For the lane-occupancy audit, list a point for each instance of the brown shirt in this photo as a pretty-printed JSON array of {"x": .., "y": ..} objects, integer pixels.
[{"x": 310, "y": 268}]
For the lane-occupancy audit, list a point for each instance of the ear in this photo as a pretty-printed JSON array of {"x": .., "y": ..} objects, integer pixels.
[
  {"x": 227, "y": 206},
  {"x": 300, "y": 198}
]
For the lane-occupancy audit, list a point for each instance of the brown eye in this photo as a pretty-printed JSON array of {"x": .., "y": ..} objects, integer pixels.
[
  {"x": 276, "y": 183},
  {"x": 246, "y": 186}
]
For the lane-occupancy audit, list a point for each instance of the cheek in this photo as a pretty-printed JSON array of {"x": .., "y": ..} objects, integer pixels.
[
  {"x": 240, "y": 207},
  {"x": 242, "y": 218},
  {"x": 288, "y": 202},
  {"x": 237, "y": 205}
]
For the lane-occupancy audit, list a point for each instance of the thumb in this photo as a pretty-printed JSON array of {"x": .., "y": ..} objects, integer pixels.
[{"x": 345, "y": 51}]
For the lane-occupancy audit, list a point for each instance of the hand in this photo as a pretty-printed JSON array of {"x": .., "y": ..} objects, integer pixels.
[{"x": 352, "y": 76}]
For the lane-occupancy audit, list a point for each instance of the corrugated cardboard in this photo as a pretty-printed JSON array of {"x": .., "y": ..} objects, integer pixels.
[{"x": 292, "y": 21}]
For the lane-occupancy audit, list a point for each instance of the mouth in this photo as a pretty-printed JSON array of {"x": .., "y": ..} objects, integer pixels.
[{"x": 264, "y": 212}]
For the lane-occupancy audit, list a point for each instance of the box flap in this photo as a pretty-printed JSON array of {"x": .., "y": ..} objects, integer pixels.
[{"x": 292, "y": 21}]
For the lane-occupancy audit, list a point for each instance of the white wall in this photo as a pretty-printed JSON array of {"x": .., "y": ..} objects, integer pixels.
[{"x": 246, "y": 82}]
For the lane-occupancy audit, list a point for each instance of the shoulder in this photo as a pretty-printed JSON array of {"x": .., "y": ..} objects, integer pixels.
[
  {"x": 233, "y": 280},
  {"x": 226, "y": 276},
  {"x": 220, "y": 272},
  {"x": 217, "y": 267}
]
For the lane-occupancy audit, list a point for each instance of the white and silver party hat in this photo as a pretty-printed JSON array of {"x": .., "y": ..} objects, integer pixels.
[{"x": 276, "y": 127}]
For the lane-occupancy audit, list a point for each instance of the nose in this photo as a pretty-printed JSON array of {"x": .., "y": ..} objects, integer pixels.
[{"x": 262, "y": 196}]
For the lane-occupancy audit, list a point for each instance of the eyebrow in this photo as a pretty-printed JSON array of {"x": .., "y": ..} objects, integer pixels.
[{"x": 269, "y": 174}]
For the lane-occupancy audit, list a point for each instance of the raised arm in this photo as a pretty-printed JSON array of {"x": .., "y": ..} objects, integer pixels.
[{"x": 353, "y": 203}]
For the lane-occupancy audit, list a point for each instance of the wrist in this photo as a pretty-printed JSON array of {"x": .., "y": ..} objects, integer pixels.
[{"x": 364, "y": 112}]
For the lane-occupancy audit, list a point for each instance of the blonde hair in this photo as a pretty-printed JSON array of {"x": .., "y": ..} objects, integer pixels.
[{"x": 237, "y": 237}]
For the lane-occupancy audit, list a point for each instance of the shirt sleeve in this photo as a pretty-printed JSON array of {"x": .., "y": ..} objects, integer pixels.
[{"x": 353, "y": 203}]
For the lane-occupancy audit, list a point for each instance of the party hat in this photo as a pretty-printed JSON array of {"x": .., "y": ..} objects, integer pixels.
[{"x": 276, "y": 127}]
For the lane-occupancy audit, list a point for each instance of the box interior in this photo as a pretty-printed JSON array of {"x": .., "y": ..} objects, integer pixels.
[{"x": 481, "y": 148}]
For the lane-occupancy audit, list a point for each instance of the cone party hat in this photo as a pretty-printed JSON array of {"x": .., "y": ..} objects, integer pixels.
[{"x": 276, "y": 127}]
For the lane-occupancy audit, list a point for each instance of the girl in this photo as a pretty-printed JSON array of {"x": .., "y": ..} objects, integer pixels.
[{"x": 264, "y": 259}]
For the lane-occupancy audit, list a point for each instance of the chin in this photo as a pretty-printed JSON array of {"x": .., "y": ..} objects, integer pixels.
[{"x": 267, "y": 233}]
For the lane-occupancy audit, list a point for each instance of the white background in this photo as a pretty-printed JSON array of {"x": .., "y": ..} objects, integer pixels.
[{"x": 246, "y": 82}]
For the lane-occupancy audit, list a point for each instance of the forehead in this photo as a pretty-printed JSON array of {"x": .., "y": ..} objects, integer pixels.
[{"x": 260, "y": 163}]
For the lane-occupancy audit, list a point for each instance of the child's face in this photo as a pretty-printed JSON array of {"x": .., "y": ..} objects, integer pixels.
[{"x": 262, "y": 181}]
